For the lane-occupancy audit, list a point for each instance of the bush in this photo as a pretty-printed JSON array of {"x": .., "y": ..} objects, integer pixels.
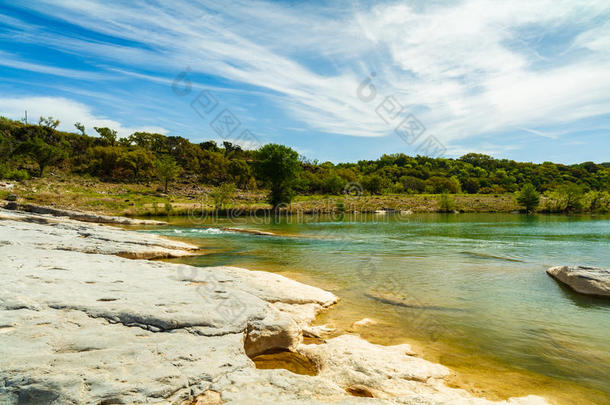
[
  {"x": 471, "y": 185},
  {"x": 222, "y": 194},
  {"x": 567, "y": 198},
  {"x": 18, "y": 174},
  {"x": 596, "y": 201},
  {"x": 445, "y": 203},
  {"x": 374, "y": 184},
  {"x": 443, "y": 185},
  {"x": 572, "y": 194},
  {"x": 411, "y": 184},
  {"x": 333, "y": 184}
]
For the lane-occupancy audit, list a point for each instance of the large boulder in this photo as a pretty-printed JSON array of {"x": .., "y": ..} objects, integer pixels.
[{"x": 583, "y": 279}]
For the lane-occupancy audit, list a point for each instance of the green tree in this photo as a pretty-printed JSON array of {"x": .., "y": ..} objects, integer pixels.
[
  {"x": 572, "y": 196},
  {"x": 278, "y": 166},
  {"x": 222, "y": 194},
  {"x": 333, "y": 184},
  {"x": 471, "y": 185},
  {"x": 373, "y": 183},
  {"x": 412, "y": 184},
  {"x": 80, "y": 127},
  {"x": 108, "y": 135},
  {"x": 43, "y": 153},
  {"x": 167, "y": 170},
  {"x": 443, "y": 185},
  {"x": 48, "y": 122},
  {"x": 139, "y": 161},
  {"x": 528, "y": 197}
]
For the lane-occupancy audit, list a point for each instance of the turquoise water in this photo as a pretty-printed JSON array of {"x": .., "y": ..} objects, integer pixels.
[{"x": 470, "y": 288}]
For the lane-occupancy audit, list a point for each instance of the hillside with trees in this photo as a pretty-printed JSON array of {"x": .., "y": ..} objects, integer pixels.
[{"x": 28, "y": 150}]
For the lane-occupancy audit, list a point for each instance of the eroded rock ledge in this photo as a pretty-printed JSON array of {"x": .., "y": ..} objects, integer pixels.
[
  {"x": 83, "y": 216},
  {"x": 79, "y": 324}
]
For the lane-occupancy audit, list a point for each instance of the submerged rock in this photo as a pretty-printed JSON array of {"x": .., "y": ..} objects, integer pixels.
[
  {"x": 364, "y": 322},
  {"x": 583, "y": 279}
]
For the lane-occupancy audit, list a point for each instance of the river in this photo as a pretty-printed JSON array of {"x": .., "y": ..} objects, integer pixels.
[{"x": 466, "y": 290}]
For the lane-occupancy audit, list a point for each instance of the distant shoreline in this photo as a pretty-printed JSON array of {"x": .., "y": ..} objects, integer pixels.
[{"x": 185, "y": 199}]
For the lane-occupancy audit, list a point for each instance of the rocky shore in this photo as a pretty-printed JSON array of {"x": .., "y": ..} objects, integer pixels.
[{"x": 81, "y": 321}]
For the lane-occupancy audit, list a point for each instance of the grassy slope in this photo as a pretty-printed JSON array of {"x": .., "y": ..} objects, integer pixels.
[{"x": 88, "y": 194}]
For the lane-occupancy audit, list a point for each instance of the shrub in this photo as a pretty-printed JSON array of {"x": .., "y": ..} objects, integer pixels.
[
  {"x": 572, "y": 194},
  {"x": 333, "y": 184},
  {"x": 567, "y": 198},
  {"x": 471, "y": 185},
  {"x": 445, "y": 203},
  {"x": 222, "y": 194},
  {"x": 443, "y": 185},
  {"x": 374, "y": 184},
  {"x": 411, "y": 184},
  {"x": 596, "y": 201}
]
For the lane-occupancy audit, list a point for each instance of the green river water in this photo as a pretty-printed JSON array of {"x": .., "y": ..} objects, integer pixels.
[{"x": 471, "y": 289}]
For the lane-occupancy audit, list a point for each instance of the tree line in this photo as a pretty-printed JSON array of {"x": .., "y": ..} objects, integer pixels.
[{"x": 29, "y": 149}]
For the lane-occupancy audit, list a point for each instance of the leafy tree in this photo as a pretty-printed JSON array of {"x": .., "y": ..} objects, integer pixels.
[
  {"x": 153, "y": 142},
  {"x": 222, "y": 194},
  {"x": 471, "y": 185},
  {"x": 48, "y": 122},
  {"x": 43, "y": 153},
  {"x": 278, "y": 166},
  {"x": 572, "y": 195},
  {"x": 109, "y": 136},
  {"x": 412, "y": 184},
  {"x": 373, "y": 184},
  {"x": 443, "y": 185},
  {"x": 167, "y": 170},
  {"x": 104, "y": 161},
  {"x": 597, "y": 201},
  {"x": 231, "y": 148},
  {"x": 139, "y": 161},
  {"x": 214, "y": 167},
  {"x": 80, "y": 127},
  {"x": 333, "y": 184},
  {"x": 240, "y": 172},
  {"x": 528, "y": 197},
  {"x": 209, "y": 145}
]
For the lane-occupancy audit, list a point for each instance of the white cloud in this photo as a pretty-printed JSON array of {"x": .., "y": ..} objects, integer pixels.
[
  {"x": 467, "y": 68},
  {"x": 8, "y": 60},
  {"x": 67, "y": 111}
]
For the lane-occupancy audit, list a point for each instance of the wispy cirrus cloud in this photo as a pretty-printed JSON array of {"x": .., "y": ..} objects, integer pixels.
[
  {"x": 12, "y": 61},
  {"x": 467, "y": 67}
]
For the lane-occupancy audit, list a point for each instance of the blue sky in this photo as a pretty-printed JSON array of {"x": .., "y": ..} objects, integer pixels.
[{"x": 527, "y": 79}]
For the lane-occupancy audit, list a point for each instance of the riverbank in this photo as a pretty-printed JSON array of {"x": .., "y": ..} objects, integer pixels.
[
  {"x": 140, "y": 200},
  {"x": 81, "y": 324}
]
